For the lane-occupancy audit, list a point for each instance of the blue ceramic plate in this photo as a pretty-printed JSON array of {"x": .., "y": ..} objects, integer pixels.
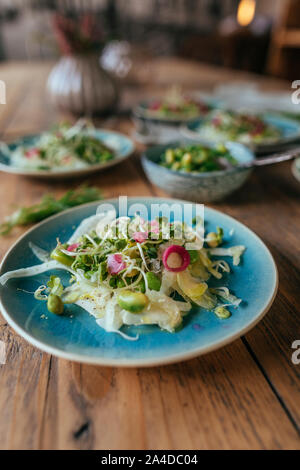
[
  {"x": 290, "y": 133},
  {"x": 76, "y": 336},
  {"x": 121, "y": 144},
  {"x": 296, "y": 168}
]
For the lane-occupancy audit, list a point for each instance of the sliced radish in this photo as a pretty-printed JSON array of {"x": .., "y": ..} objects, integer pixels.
[
  {"x": 140, "y": 237},
  {"x": 154, "y": 226},
  {"x": 115, "y": 263},
  {"x": 73, "y": 247},
  {"x": 33, "y": 152},
  {"x": 176, "y": 258}
]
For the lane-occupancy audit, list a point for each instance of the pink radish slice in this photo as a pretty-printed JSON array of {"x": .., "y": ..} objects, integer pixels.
[
  {"x": 32, "y": 152},
  {"x": 176, "y": 258},
  {"x": 115, "y": 264},
  {"x": 154, "y": 226},
  {"x": 73, "y": 247},
  {"x": 140, "y": 237}
]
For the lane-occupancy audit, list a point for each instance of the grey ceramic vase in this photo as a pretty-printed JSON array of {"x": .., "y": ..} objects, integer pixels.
[{"x": 78, "y": 84}]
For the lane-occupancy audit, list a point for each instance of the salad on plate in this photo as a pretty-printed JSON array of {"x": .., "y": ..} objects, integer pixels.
[
  {"x": 176, "y": 105},
  {"x": 222, "y": 125},
  {"x": 128, "y": 271},
  {"x": 63, "y": 148}
]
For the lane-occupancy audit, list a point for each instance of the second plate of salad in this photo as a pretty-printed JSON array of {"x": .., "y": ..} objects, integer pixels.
[
  {"x": 261, "y": 132},
  {"x": 65, "y": 152}
]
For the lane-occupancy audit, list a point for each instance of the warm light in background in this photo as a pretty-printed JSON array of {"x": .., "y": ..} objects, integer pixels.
[{"x": 246, "y": 12}]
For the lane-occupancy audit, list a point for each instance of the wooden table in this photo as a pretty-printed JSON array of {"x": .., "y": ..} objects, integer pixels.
[{"x": 244, "y": 396}]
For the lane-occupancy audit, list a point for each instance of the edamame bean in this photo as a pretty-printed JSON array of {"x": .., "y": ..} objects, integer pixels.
[
  {"x": 169, "y": 156},
  {"x": 186, "y": 159},
  {"x": 55, "y": 304},
  {"x": 175, "y": 166},
  {"x": 61, "y": 257},
  {"x": 212, "y": 239},
  {"x": 222, "y": 312},
  {"x": 154, "y": 282},
  {"x": 133, "y": 302}
]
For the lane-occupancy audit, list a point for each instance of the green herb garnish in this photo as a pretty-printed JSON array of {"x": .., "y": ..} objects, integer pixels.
[{"x": 48, "y": 206}]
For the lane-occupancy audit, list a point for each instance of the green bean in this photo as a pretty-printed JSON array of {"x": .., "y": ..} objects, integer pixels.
[{"x": 55, "y": 304}]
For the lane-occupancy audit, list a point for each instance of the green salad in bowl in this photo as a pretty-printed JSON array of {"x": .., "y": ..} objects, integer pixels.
[
  {"x": 197, "y": 158},
  {"x": 198, "y": 172}
]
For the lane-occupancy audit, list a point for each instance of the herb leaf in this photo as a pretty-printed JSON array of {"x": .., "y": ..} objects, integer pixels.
[{"x": 48, "y": 206}]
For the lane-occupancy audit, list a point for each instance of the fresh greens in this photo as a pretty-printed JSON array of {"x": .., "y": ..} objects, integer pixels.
[
  {"x": 197, "y": 158},
  {"x": 48, "y": 206},
  {"x": 152, "y": 275},
  {"x": 64, "y": 147},
  {"x": 177, "y": 105},
  {"x": 226, "y": 125}
]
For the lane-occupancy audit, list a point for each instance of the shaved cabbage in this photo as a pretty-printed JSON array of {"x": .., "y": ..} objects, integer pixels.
[
  {"x": 41, "y": 254},
  {"x": 224, "y": 293},
  {"x": 86, "y": 226},
  {"x": 111, "y": 321},
  {"x": 32, "y": 271},
  {"x": 234, "y": 251}
]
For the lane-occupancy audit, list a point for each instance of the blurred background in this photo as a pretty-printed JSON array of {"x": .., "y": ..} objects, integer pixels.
[{"x": 262, "y": 36}]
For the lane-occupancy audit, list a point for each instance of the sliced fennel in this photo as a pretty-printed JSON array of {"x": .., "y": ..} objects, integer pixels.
[{"x": 234, "y": 251}]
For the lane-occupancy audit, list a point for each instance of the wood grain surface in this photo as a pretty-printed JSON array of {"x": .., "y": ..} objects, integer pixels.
[{"x": 244, "y": 396}]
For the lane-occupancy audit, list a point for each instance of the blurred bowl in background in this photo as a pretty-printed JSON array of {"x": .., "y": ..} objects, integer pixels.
[
  {"x": 290, "y": 132},
  {"x": 144, "y": 111},
  {"x": 199, "y": 187},
  {"x": 153, "y": 128}
]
